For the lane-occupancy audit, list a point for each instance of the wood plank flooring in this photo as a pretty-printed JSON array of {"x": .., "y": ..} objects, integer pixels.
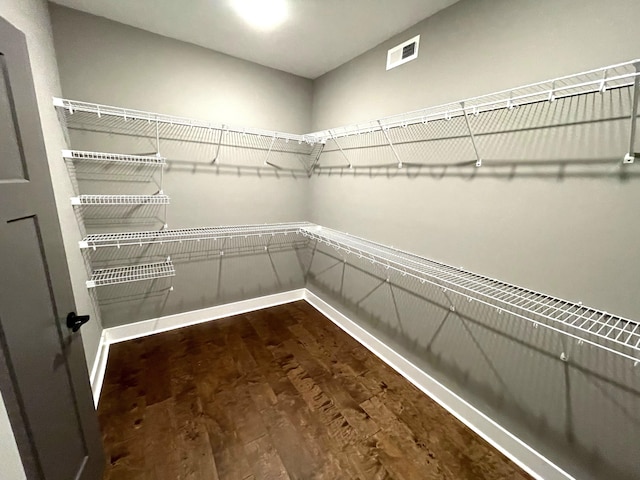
[{"x": 277, "y": 394}]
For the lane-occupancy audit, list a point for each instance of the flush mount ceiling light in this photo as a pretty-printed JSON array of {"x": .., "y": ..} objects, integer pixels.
[{"x": 262, "y": 14}]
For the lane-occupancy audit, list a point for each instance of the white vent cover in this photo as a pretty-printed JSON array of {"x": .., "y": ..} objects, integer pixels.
[{"x": 403, "y": 53}]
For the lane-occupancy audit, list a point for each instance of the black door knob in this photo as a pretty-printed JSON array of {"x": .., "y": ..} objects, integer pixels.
[{"x": 74, "y": 322}]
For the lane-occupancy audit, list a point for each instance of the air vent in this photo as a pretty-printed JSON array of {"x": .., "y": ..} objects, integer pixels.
[{"x": 403, "y": 53}]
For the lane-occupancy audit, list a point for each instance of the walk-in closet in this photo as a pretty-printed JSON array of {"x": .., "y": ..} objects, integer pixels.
[{"x": 303, "y": 239}]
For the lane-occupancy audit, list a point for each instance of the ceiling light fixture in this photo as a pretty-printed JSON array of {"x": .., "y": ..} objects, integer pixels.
[{"x": 262, "y": 14}]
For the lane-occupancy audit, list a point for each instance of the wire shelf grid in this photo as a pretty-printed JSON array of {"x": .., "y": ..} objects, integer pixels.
[
  {"x": 282, "y": 150},
  {"x": 153, "y": 160},
  {"x": 133, "y": 273},
  {"x": 592, "y": 81},
  {"x": 601, "y": 329},
  {"x": 597, "y": 80},
  {"x": 190, "y": 234},
  {"x": 157, "y": 199},
  {"x": 73, "y": 106}
]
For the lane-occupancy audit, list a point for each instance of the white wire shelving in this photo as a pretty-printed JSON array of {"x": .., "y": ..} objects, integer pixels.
[
  {"x": 152, "y": 160},
  {"x": 597, "y": 80},
  {"x": 133, "y": 273},
  {"x": 126, "y": 114},
  {"x": 190, "y": 234},
  {"x": 611, "y": 77},
  {"x": 412, "y": 138},
  {"x": 156, "y": 199},
  {"x": 613, "y": 333},
  {"x": 610, "y": 332}
]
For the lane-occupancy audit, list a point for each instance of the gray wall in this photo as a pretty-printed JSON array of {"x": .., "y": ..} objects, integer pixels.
[
  {"x": 476, "y": 47},
  {"x": 560, "y": 225},
  {"x": 106, "y": 62},
  {"x": 563, "y": 236}
]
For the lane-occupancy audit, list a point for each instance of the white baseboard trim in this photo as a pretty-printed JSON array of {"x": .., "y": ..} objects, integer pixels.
[
  {"x": 511, "y": 446},
  {"x": 179, "y": 320},
  {"x": 99, "y": 367},
  {"x": 171, "y": 322}
]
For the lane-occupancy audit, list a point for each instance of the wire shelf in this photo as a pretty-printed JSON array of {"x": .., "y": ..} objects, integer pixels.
[
  {"x": 152, "y": 160},
  {"x": 597, "y": 80},
  {"x": 74, "y": 106},
  {"x": 157, "y": 199},
  {"x": 133, "y": 273},
  {"x": 293, "y": 152},
  {"x": 190, "y": 234},
  {"x": 615, "y": 334}
]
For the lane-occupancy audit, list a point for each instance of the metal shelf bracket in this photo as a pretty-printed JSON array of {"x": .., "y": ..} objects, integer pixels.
[{"x": 631, "y": 154}]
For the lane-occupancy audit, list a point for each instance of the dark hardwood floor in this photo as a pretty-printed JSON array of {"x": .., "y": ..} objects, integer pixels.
[{"x": 279, "y": 393}]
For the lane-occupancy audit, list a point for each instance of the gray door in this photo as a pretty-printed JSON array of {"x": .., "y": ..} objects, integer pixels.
[{"x": 43, "y": 374}]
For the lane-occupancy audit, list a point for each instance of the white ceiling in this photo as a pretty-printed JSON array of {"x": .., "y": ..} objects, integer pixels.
[{"x": 318, "y": 36}]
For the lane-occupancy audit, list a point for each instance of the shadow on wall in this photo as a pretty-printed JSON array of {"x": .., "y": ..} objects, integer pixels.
[
  {"x": 577, "y": 413},
  {"x": 209, "y": 176},
  {"x": 208, "y": 273},
  {"x": 119, "y": 218},
  {"x": 125, "y": 177},
  {"x": 197, "y": 146},
  {"x": 580, "y": 136}
]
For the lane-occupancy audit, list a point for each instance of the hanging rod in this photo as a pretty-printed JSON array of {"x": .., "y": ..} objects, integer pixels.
[
  {"x": 113, "y": 157},
  {"x": 157, "y": 199},
  {"x": 609, "y": 332},
  {"x": 190, "y": 234},
  {"x": 100, "y": 110},
  {"x": 133, "y": 273},
  {"x": 597, "y": 80}
]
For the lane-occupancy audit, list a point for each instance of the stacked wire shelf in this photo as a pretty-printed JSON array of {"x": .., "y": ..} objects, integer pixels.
[
  {"x": 152, "y": 160},
  {"x": 157, "y": 199},
  {"x": 189, "y": 234},
  {"x": 610, "y": 332},
  {"x": 133, "y": 273}
]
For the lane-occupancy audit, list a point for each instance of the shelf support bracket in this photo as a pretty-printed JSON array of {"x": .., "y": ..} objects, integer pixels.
[
  {"x": 157, "y": 138},
  {"x": 631, "y": 154},
  {"x": 393, "y": 149},
  {"x": 335, "y": 140},
  {"x": 317, "y": 159},
  {"x": 215, "y": 158},
  {"x": 266, "y": 158},
  {"x": 473, "y": 139}
]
